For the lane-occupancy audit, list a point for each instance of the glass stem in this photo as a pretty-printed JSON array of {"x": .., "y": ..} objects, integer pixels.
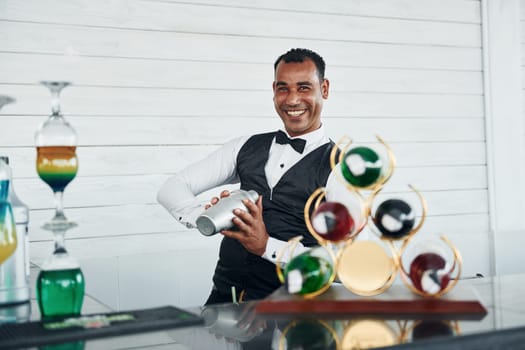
[
  {"x": 59, "y": 213},
  {"x": 55, "y": 102},
  {"x": 60, "y": 245}
]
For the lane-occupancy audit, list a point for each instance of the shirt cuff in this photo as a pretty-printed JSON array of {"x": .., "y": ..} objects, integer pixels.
[
  {"x": 274, "y": 247},
  {"x": 188, "y": 215}
]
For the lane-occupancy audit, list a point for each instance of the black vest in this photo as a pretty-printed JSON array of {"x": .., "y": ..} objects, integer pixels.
[{"x": 283, "y": 213}]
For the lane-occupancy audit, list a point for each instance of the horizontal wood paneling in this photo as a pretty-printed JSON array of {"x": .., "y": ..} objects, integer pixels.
[
  {"x": 217, "y": 130},
  {"x": 103, "y": 71},
  {"x": 112, "y": 246},
  {"x": 129, "y": 160},
  {"x": 149, "y": 220},
  {"x": 522, "y": 47},
  {"x": 72, "y": 41},
  {"x": 184, "y": 17},
  {"x": 104, "y": 101},
  {"x": 444, "y": 10},
  {"x": 161, "y": 83},
  {"x": 453, "y": 212},
  {"x": 87, "y": 191}
]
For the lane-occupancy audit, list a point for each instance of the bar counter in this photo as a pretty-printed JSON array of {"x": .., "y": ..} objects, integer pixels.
[{"x": 240, "y": 326}]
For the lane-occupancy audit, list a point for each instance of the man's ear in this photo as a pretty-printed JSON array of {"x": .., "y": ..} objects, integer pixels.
[{"x": 325, "y": 87}]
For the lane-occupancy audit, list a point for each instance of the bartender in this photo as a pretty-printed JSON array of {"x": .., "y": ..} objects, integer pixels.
[{"x": 284, "y": 167}]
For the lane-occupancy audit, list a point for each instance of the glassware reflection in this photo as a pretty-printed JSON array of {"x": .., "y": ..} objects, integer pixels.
[
  {"x": 233, "y": 321},
  {"x": 309, "y": 335}
]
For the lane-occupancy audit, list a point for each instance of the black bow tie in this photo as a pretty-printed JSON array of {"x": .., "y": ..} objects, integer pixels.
[{"x": 297, "y": 144}]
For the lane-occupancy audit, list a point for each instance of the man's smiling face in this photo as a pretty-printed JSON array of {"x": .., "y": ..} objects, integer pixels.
[{"x": 298, "y": 96}]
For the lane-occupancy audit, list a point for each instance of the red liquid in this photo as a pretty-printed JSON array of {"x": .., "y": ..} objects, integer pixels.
[
  {"x": 332, "y": 221},
  {"x": 428, "y": 262}
]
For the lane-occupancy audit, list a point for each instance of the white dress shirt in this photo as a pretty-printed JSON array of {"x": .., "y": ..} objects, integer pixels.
[{"x": 178, "y": 194}]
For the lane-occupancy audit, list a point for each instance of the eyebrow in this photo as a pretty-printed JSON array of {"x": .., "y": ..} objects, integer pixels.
[{"x": 282, "y": 83}]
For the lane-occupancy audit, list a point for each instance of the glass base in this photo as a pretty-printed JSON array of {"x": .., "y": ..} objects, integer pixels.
[{"x": 59, "y": 225}]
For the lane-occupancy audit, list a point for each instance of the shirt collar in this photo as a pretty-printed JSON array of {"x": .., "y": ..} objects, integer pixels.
[{"x": 313, "y": 137}]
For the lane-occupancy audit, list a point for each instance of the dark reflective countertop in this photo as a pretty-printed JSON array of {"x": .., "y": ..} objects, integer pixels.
[{"x": 240, "y": 326}]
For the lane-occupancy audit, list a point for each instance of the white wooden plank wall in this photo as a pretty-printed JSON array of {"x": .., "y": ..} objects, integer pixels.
[
  {"x": 158, "y": 84},
  {"x": 522, "y": 41}
]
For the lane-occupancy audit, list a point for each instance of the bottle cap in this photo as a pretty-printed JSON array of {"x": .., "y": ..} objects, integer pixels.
[{"x": 5, "y": 159}]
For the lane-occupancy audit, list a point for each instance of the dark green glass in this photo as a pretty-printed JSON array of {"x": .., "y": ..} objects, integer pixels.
[
  {"x": 310, "y": 335},
  {"x": 60, "y": 293},
  {"x": 306, "y": 274},
  {"x": 78, "y": 345},
  {"x": 361, "y": 167}
]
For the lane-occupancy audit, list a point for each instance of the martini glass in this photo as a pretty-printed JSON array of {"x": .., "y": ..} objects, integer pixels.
[{"x": 57, "y": 163}]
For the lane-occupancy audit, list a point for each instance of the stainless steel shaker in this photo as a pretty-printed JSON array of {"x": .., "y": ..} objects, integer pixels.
[{"x": 219, "y": 216}]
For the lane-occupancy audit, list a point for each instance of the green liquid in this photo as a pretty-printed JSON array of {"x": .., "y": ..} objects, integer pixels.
[
  {"x": 315, "y": 271},
  {"x": 372, "y": 163},
  {"x": 57, "y": 166},
  {"x": 57, "y": 182},
  {"x": 310, "y": 335},
  {"x": 78, "y": 345},
  {"x": 60, "y": 293}
]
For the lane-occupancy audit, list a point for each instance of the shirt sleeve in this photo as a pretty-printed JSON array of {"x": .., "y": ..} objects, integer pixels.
[{"x": 179, "y": 193}]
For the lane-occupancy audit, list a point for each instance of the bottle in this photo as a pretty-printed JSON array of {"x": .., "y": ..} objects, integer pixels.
[
  {"x": 14, "y": 272},
  {"x": 219, "y": 217}
]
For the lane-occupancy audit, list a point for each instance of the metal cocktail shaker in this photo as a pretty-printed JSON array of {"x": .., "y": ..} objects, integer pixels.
[{"x": 219, "y": 216}]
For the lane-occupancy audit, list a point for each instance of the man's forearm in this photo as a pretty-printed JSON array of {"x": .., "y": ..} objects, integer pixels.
[{"x": 180, "y": 201}]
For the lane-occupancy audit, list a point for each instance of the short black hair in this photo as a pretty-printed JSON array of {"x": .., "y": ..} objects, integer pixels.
[{"x": 300, "y": 55}]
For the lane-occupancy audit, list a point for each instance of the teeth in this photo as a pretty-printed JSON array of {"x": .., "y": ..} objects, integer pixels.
[{"x": 295, "y": 113}]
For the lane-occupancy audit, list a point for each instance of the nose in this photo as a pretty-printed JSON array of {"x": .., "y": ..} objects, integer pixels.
[{"x": 292, "y": 98}]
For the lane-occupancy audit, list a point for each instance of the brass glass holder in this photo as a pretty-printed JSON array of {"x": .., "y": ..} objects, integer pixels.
[
  {"x": 336, "y": 214},
  {"x": 450, "y": 275},
  {"x": 365, "y": 267},
  {"x": 316, "y": 267}
]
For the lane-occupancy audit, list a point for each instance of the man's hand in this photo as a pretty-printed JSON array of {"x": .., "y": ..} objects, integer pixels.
[{"x": 252, "y": 232}]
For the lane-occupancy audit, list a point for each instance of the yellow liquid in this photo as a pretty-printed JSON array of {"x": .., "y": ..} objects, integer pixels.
[
  {"x": 7, "y": 232},
  {"x": 57, "y": 165},
  {"x": 6, "y": 249}
]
